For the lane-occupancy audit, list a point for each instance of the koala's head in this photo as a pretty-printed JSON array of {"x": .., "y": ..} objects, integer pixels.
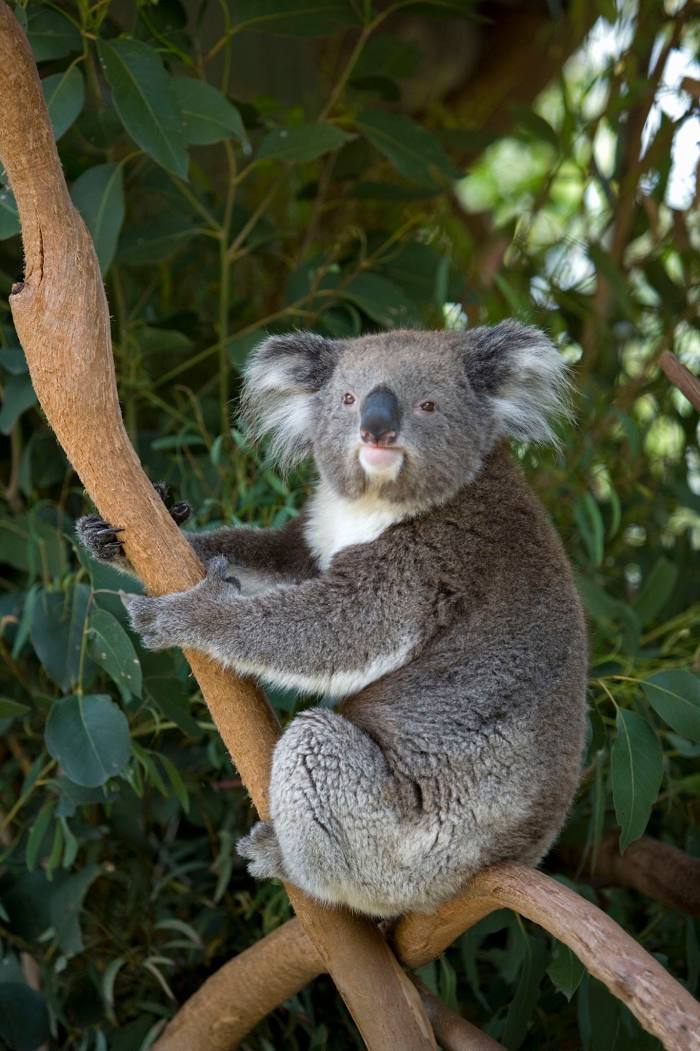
[{"x": 410, "y": 415}]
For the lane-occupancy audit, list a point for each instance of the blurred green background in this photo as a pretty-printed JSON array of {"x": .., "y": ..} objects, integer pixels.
[{"x": 260, "y": 165}]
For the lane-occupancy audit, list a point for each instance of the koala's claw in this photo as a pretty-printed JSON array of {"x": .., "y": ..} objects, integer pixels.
[
  {"x": 179, "y": 512},
  {"x": 262, "y": 851},
  {"x": 99, "y": 538}
]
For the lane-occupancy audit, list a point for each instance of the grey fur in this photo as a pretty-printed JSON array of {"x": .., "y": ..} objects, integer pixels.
[{"x": 434, "y": 598}]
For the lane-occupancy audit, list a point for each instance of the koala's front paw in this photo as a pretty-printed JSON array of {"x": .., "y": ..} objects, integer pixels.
[
  {"x": 159, "y": 621},
  {"x": 99, "y": 538},
  {"x": 262, "y": 850}
]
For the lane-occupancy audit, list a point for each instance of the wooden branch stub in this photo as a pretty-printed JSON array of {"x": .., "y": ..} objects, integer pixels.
[{"x": 61, "y": 316}]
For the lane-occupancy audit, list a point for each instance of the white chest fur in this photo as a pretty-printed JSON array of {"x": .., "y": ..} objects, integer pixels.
[{"x": 335, "y": 523}]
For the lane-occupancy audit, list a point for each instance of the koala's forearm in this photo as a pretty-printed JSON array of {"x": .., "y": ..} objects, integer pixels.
[
  {"x": 280, "y": 551},
  {"x": 320, "y": 636}
]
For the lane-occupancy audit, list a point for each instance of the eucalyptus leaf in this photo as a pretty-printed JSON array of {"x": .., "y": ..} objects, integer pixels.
[
  {"x": 18, "y": 396},
  {"x": 24, "y": 1019},
  {"x": 675, "y": 696},
  {"x": 207, "y": 115},
  {"x": 89, "y": 736},
  {"x": 112, "y": 649},
  {"x": 65, "y": 98},
  {"x": 98, "y": 194},
  {"x": 637, "y": 770},
  {"x": 9, "y": 219},
  {"x": 414, "y": 151},
  {"x": 50, "y": 33},
  {"x": 58, "y": 621},
  {"x": 144, "y": 98},
  {"x": 305, "y": 142},
  {"x": 66, "y": 905}
]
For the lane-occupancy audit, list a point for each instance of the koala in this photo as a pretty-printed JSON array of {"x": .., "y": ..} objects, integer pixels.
[{"x": 422, "y": 592}]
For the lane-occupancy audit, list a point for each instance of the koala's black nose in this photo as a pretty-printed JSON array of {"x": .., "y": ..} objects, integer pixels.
[{"x": 380, "y": 417}]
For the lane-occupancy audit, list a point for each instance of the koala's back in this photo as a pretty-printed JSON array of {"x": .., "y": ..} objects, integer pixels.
[{"x": 485, "y": 727}]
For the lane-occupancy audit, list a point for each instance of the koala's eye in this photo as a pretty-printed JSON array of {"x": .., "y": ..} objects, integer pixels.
[
  {"x": 428, "y": 406},
  {"x": 348, "y": 399}
]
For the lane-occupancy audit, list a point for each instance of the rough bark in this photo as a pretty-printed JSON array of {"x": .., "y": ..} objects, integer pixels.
[{"x": 61, "y": 316}]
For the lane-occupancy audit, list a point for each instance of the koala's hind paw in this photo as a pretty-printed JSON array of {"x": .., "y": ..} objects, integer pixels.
[
  {"x": 262, "y": 851},
  {"x": 99, "y": 538}
]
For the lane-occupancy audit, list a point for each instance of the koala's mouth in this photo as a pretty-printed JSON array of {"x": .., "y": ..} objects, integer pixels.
[{"x": 384, "y": 459}]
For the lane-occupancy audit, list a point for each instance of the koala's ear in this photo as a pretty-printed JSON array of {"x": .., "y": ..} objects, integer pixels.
[
  {"x": 523, "y": 376},
  {"x": 280, "y": 380}
]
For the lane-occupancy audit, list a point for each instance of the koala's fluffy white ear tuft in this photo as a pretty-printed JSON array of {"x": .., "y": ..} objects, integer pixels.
[
  {"x": 523, "y": 376},
  {"x": 282, "y": 376}
]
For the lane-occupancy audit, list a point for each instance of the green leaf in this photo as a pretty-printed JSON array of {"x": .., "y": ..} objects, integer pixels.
[
  {"x": 143, "y": 97},
  {"x": 207, "y": 115},
  {"x": 89, "y": 736},
  {"x": 565, "y": 970},
  {"x": 306, "y": 18},
  {"x": 37, "y": 833},
  {"x": 51, "y": 34},
  {"x": 10, "y": 709},
  {"x": 58, "y": 620},
  {"x": 170, "y": 697},
  {"x": 65, "y": 906},
  {"x": 65, "y": 98},
  {"x": 176, "y": 781},
  {"x": 12, "y": 360},
  {"x": 414, "y": 152},
  {"x": 98, "y": 194},
  {"x": 527, "y": 993},
  {"x": 302, "y": 143},
  {"x": 657, "y": 590},
  {"x": 590, "y": 525},
  {"x": 381, "y": 300},
  {"x": 24, "y": 1020},
  {"x": 18, "y": 396},
  {"x": 675, "y": 696},
  {"x": 112, "y": 649},
  {"x": 9, "y": 219},
  {"x": 637, "y": 770}
]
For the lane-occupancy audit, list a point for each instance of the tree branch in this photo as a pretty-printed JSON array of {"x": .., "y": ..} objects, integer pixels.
[
  {"x": 262, "y": 978},
  {"x": 61, "y": 317},
  {"x": 681, "y": 377}
]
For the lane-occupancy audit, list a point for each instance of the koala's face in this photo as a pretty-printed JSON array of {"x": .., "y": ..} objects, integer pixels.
[
  {"x": 409, "y": 415},
  {"x": 398, "y": 415}
]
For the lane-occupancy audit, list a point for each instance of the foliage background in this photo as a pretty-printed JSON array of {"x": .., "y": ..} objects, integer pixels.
[{"x": 248, "y": 168}]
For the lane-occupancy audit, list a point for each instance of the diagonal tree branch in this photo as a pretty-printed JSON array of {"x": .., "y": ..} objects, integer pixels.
[{"x": 61, "y": 317}]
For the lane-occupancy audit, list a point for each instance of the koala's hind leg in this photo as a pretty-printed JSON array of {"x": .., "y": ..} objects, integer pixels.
[{"x": 337, "y": 817}]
